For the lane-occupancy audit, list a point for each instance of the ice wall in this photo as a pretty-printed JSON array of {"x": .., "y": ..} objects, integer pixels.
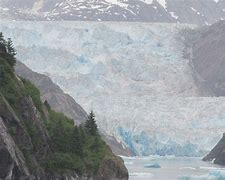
[{"x": 134, "y": 77}]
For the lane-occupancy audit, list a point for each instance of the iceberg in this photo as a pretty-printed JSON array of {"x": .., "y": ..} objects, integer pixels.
[
  {"x": 141, "y": 174},
  {"x": 152, "y": 165}
]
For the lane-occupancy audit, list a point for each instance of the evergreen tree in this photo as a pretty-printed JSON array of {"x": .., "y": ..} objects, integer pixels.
[
  {"x": 77, "y": 145},
  {"x": 2, "y": 40},
  {"x": 10, "y": 48},
  {"x": 47, "y": 105},
  {"x": 96, "y": 144},
  {"x": 2, "y": 44},
  {"x": 1, "y": 74},
  {"x": 90, "y": 125}
]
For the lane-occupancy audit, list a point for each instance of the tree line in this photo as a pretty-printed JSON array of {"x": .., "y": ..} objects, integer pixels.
[{"x": 7, "y": 48}]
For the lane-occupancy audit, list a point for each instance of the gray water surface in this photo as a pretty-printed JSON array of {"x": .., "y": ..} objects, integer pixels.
[{"x": 172, "y": 168}]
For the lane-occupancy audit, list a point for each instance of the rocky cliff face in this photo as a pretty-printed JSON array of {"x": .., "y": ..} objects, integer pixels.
[
  {"x": 14, "y": 163},
  {"x": 217, "y": 154},
  {"x": 52, "y": 93},
  {"x": 206, "y": 52},
  {"x": 26, "y": 142},
  {"x": 208, "y": 58}
]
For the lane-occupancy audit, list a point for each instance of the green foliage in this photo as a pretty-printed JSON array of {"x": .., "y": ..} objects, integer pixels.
[
  {"x": 90, "y": 124},
  {"x": 61, "y": 162},
  {"x": 77, "y": 142},
  {"x": 10, "y": 47},
  {"x": 2, "y": 41},
  {"x": 12, "y": 130},
  {"x": 71, "y": 140},
  {"x": 95, "y": 151},
  {"x": 7, "y": 50},
  {"x": 34, "y": 93},
  {"x": 33, "y": 133},
  {"x": 9, "y": 84},
  {"x": 60, "y": 130}
]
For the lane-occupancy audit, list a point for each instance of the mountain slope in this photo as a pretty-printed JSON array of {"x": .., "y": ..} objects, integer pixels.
[
  {"x": 208, "y": 48},
  {"x": 61, "y": 102},
  {"x": 52, "y": 93},
  {"x": 217, "y": 154},
  {"x": 39, "y": 143},
  {"x": 207, "y": 54},
  {"x": 202, "y": 12}
]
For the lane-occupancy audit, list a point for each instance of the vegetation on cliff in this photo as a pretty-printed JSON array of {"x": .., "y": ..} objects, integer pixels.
[{"x": 56, "y": 144}]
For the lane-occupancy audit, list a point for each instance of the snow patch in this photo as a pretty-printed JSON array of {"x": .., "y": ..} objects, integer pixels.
[
  {"x": 163, "y": 3},
  {"x": 174, "y": 15}
]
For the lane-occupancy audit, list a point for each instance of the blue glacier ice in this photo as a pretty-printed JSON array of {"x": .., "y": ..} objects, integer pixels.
[
  {"x": 143, "y": 145},
  {"x": 134, "y": 77}
]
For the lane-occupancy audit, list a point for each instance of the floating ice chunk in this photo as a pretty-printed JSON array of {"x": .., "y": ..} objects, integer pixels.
[
  {"x": 153, "y": 165},
  {"x": 203, "y": 177},
  {"x": 212, "y": 175},
  {"x": 141, "y": 174},
  {"x": 190, "y": 168},
  {"x": 209, "y": 168},
  {"x": 219, "y": 174}
]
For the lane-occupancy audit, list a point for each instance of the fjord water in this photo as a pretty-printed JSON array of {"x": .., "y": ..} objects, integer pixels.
[{"x": 172, "y": 168}]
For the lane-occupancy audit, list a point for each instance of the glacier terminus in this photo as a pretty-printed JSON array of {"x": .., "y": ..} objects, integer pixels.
[{"x": 133, "y": 75}]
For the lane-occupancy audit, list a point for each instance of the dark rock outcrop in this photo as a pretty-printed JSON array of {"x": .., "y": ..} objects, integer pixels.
[
  {"x": 12, "y": 162},
  {"x": 111, "y": 169},
  {"x": 217, "y": 154}
]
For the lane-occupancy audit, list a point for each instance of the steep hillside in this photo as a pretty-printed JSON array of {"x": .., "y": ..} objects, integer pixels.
[
  {"x": 217, "y": 154},
  {"x": 57, "y": 99},
  {"x": 206, "y": 48},
  {"x": 61, "y": 102},
  {"x": 133, "y": 75},
  {"x": 38, "y": 143},
  {"x": 208, "y": 58},
  {"x": 202, "y": 12}
]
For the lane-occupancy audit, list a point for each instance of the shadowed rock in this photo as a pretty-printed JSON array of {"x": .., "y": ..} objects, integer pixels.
[
  {"x": 53, "y": 94},
  {"x": 217, "y": 154},
  {"x": 209, "y": 58}
]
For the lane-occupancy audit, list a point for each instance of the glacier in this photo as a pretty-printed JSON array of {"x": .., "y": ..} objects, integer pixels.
[{"x": 134, "y": 77}]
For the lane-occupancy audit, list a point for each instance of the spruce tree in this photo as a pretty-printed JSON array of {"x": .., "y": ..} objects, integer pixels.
[
  {"x": 10, "y": 53},
  {"x": 10, "y": 48},
  {"x": 47, "y": 105},
  {"x": 2, "y": 44},
  {"x": 2, "y": 40},
  {"x": 90, "y": 125}
]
